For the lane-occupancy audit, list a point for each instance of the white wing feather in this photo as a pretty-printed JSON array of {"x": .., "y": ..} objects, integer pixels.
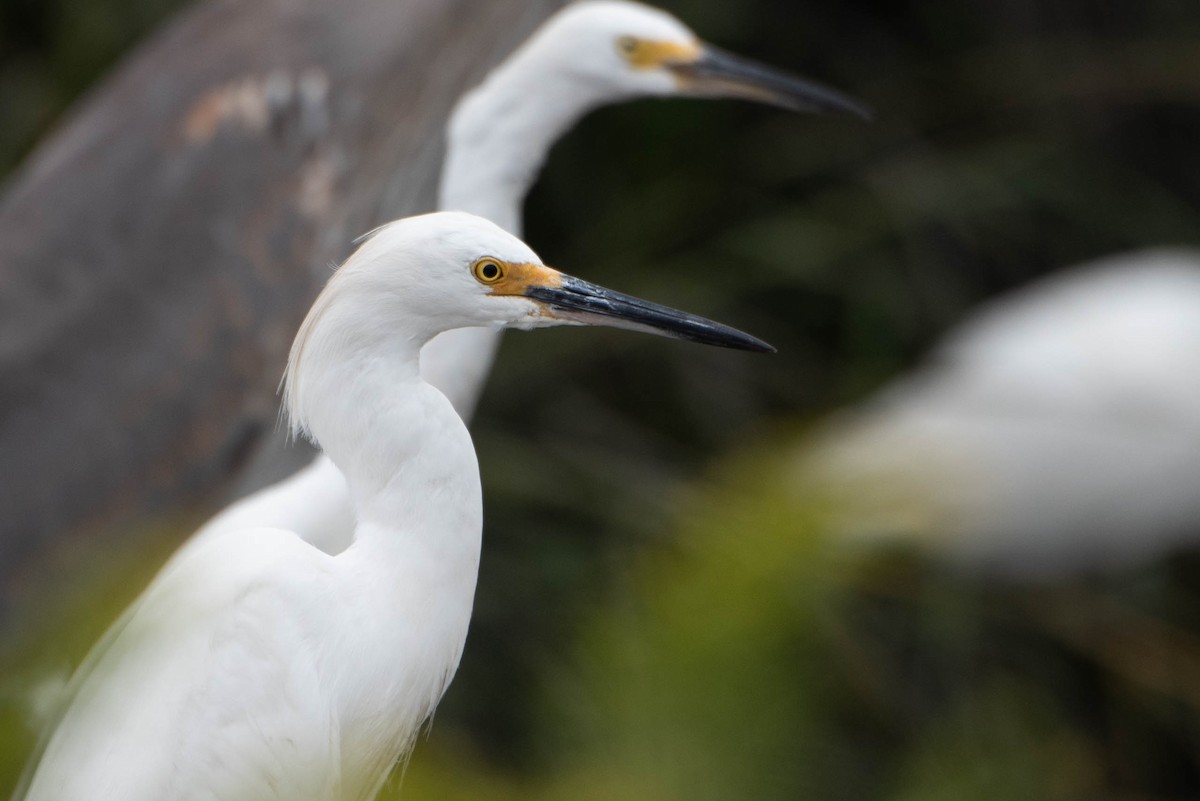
[{"x": 207, "y": 688}]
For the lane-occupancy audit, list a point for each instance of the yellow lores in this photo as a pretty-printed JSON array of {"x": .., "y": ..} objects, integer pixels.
[
  {"x": 646, "y": 54},
  {"x": 508, "y": 278}
]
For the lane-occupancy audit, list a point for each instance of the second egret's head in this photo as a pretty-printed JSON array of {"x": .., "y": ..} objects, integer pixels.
[
  {"x": 620, "y": 49},
  {"x": 587, "y": 55}
]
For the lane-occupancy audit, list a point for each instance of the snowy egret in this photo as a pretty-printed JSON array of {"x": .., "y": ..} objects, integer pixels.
[
  {"x": 256, "y": 666},
  {"x": 586, "y": 55},
  {"x": 1056, "y": 431}
]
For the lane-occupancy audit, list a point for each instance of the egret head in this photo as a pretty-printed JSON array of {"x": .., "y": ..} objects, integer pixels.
[
  {"x": 417, "y": 277},
  {"x": 622, "y": 49},
  {"x": 587, "y": 55},
  {"x": 435, "y": 272}
]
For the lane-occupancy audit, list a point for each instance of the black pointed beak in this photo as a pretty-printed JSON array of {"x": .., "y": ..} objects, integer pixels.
[
  {"x": 716, "y": 73},
  {"x": 583, "y": 302}
]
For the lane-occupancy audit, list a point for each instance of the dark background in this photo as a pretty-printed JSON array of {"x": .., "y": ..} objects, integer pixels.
[{"x": 653, "y": 618}]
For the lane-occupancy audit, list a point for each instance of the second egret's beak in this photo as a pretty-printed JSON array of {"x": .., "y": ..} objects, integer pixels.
[
  {"x": 715, "y": 73},
  {"x": 568, "y": 298}
]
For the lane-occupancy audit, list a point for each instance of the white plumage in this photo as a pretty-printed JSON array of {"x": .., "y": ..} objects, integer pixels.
[
  {"x": 257, "y": 666},
  {"x": 499, "y": 135},
  {"x": 1057, "y": 430}
]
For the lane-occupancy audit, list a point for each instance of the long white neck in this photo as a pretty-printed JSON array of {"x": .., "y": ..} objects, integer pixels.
[
  {"x": 414, "y": 483},
  {"x": 497, "y": 139},
  {"x": 502, "y": 130},
  {"x": 358, "y": 391}
]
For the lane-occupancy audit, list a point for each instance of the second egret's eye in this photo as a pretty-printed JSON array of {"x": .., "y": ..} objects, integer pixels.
[
  {"x": 627, "y": 45},
  {"x": 487, "y": 271}
]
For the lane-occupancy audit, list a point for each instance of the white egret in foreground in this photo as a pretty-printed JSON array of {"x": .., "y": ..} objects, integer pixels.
[
  {"x": 256, "y": 666},
  {"x": 586, "y": 55},
  {"x": 1057, "y": 430}
]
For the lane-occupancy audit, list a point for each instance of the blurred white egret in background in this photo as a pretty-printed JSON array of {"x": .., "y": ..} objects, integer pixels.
[
  {"x": 587, "y": 55},
  {"x": 1057, "y": 430},
  {"x": 256, "y": 666}
]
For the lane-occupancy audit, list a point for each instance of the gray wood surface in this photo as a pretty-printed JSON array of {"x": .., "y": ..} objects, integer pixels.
[{"x": 158, "y": 251}]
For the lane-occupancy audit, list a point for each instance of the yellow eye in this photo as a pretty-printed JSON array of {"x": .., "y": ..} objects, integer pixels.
[
  {"x": 487, "y": 271},
  {"x": 627, "y": 45}
]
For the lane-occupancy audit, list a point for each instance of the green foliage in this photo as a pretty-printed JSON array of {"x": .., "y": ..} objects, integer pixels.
[
  {"x": 1005, "y": 742},
  {"x": 35, "y": 669},
  {"x": 755, "y": 657}
]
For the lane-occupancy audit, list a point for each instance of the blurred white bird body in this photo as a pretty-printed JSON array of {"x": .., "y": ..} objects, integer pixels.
[
  {"x": 314, "y": 503},
  {"x": 219, "y": 667},
  {"x": 1058, "y": 430},
  {"x": 256, "y": 666},
  {"x": 589, "y": 54}
]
